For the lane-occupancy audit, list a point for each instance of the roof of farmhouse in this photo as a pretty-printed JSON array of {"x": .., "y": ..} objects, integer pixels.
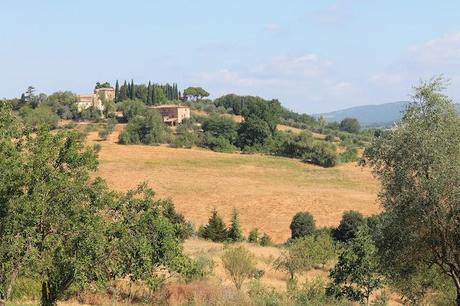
[{"x": 170, "y": 106}]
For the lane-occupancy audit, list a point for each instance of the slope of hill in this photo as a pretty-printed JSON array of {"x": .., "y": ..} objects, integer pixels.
[
  {"x": 371, "y": 115},
  {"x": 266, "y": 190}
]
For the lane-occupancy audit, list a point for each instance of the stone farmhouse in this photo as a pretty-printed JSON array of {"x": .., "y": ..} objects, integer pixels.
[
  {"x": 173, "y": 114},
  {"x": 87, "y": 100}
]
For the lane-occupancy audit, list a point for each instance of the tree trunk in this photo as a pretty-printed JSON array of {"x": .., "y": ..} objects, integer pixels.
[
  {"x": 9, "y": 290},
  {"x": 48, "y": 296}
]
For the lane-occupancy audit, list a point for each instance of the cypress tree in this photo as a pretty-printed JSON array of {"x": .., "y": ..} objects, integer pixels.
[
  {"x": 154, "y": 98},
  {"x": 117, "y": 91},
  {"x": 123, "y": 92},
  {"x": 149, "y": 94},
  {"x": 234, "y": 232},
  {"x": 133, "y": 90}
]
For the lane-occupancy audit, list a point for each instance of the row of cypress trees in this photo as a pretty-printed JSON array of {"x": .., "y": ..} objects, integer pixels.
[{"x": 150, "y": 94}]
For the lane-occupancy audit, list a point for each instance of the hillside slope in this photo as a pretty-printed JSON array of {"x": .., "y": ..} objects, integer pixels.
[{"x": 266, "y": 190}]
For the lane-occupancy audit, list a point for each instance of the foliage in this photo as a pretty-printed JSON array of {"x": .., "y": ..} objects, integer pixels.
[
  {"x": 350, "y": 155},
  {"x": 240, "y": 264},
  {"x": 350, "y": 125},
  {"x": 90, "y": 113},
  {"x": 252, "y": 132},
  {"x": 63, "y": 103},
  {"x": 216, "y": 143},
  {"x": 302, "y": 224},
  {"x": 348, "y": 226},
  {"x": 355, "y": 276},
  {"x": 215, "y": 229},
  {"x": 132, "y": 108},
  {"x": 144, "y": 237},
  {"x": 196, "y": 93},
  {"x": 253, "y": 236},
  {"x": 57, "y": 235},
  {"x": 299, "y": 256},
  {"x": 265, "y": 240},
  {"x": 221, "y": 126},
  {"x": 321, "y": 154},
  {"x": 148, "y": 129},
  {"x": 418, "y": 164},
  {"x": 325, "y": 248},
  {"x": 40, "y": 116},
  {"x": 234, "y": 232}
]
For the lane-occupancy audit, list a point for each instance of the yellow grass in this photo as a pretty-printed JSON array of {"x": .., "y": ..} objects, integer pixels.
[{"x": 267, "y": 191}]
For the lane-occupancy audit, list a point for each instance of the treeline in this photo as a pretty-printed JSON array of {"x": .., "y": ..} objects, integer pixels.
[{"x": 150, "y": 94}]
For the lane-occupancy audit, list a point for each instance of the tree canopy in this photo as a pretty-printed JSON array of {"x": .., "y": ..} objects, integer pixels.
[{"x": 418, "y": 164}]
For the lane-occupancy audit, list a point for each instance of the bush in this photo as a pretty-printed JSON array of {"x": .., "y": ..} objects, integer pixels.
[
  {"x": 253, "y": 236},
  {"x": 321, "y": 154},
  {"x": 348, "y": 227},
  {"x": 218, "y": 144},
  {"x": 132, "y": 108},
  {"x": 253, "y": 132},
  {"x": 350, "y": 155},
  {"x": 221, "y": 126},
  {"x": 350, "y": 125},
  {"x": 302, "y": 224},
  {"x": 265, "y": 240},
  {"x": 40, "y": 116},
  {"x": 148, "y": 129},
  {"x": 240, "y": 264}
]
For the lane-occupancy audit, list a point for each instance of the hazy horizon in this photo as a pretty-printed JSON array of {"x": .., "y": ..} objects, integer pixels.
[{"x": 314, "y": 57}]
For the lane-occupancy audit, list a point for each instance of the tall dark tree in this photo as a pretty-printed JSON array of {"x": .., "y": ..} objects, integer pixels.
[
  {"x": 117, "y": 91},
  {"x": 234, "y": 232},
  {"x": 149, "y": 94},
  {"x": 132, "y": 90},
  {"x": 215, "y": 229},
  {"x": 123, "y": 92}
]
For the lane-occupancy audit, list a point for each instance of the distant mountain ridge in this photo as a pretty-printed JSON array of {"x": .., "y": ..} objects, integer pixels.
[{"x": 380, "y": 115}]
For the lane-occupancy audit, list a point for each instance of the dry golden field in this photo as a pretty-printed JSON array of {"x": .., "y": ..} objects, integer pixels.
[{"x": 267, "y": 191}]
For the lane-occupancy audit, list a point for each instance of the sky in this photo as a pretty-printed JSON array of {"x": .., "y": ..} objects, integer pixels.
[{"x": 314, "y": 56}]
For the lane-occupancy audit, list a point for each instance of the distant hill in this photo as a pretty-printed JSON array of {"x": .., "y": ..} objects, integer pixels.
[{"x": 371, "y": 115}]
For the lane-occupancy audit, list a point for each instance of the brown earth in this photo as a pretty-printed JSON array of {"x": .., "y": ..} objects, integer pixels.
[{"x": 267, "y": 191}]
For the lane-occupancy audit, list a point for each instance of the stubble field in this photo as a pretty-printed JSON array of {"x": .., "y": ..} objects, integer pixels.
[{"x": 267, "y": 191}]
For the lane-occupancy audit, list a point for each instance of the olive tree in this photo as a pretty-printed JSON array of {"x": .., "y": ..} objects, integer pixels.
[
  {"x": 418, "y": 164},
  {"x": 240, "y": 264}
]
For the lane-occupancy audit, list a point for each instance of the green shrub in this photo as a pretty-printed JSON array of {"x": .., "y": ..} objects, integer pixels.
[
  {"x": 253, "y": 236},
  {"x": 265, "y": 240},
  {"x": 321, "y": 154},
  {"x": 348, "y": 226},
  {"x": 148, "y": 129},
  {"x": 302, "y": 225},
  {"x": 218, "y": 144},
  {"x": 240, "y": 264},
  {"x": 350, "y": 155},
  {"x": 26, "y": 288}
]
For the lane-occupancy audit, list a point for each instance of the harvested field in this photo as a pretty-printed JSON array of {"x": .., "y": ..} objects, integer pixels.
[{"x": 266, "y": 190}]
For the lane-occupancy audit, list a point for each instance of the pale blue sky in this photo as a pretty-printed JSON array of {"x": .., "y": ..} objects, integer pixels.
[{"x": 313, "y": 56}]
